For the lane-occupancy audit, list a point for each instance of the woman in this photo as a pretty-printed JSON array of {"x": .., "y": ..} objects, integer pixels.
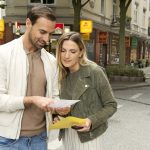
[{"x": 82, "y": 79}]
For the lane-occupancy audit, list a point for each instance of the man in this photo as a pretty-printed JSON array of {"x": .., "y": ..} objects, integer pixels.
[{"x": 28, "y": 83}]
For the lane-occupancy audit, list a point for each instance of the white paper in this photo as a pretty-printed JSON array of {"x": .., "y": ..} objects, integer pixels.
[{"x": 63, "y": 103}]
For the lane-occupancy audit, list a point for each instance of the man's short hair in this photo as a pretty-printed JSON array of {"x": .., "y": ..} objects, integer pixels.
[{"x": 40, "y": 11}]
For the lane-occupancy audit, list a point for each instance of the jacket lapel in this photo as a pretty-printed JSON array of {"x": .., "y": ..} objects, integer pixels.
[{"x": 81, "y": 85}]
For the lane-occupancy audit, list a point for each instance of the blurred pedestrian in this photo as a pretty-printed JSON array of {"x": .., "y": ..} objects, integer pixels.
[
  {"x": 28, "y": 84},
  {"x": 82, "y": 79}
]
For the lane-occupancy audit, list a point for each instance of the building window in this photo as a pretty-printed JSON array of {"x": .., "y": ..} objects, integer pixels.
[
  {"x": 102, "y": 6},
  {"x": 42, "y": 1},
  {"x": 144, "y": 16},
  {"x": 114, "y": 17},
  {"x": 136, "y": 13}
]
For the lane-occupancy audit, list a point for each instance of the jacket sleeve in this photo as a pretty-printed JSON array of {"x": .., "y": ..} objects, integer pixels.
[
  {"x": 55, "y": 89},
  {"x": 52, "y": 65},
  {"x": 106, "y": 97},
  {"x": 8, "y": 102}
]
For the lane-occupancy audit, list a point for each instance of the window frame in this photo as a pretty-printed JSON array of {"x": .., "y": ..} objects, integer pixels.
[
  {"x": 136, "y": 13},
  {"x": 102, "y": 11},
  {"x": 144, "y": 17},
  {"x": 29, "y": 1}
]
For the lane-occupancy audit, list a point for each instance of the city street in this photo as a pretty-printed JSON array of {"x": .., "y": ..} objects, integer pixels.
[
  {"x": 139, "y": 94},
  {"x": 129, "y": 128}
]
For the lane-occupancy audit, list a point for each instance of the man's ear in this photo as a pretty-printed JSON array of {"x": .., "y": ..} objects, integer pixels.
[{"x": 28, "y": 23}]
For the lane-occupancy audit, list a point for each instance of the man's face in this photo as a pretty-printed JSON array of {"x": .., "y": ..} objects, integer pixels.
[{"x": 40, "y": 32}]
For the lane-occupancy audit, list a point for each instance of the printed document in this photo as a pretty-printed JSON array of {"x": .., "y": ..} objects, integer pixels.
[{"x": 63, "y": 103}]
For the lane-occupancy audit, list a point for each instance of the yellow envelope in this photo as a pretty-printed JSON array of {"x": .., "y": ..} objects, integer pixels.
[{"x": 67, "y": 123}]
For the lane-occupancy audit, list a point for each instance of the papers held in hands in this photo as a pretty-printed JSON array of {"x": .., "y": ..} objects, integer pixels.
[
  {"x": 63, "y": 103},
  {"x": 67, "y": 122}
]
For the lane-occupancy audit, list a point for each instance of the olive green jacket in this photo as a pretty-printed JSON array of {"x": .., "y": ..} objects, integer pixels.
[{"x": 97, "y": 101}]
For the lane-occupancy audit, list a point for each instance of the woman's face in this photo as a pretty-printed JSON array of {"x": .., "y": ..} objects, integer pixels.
[{"x": 70, "y": 55}]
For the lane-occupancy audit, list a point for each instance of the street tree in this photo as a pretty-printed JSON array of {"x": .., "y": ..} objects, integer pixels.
[
  {"x": 77, "y": 6},
  {"x": 124, "y": 4}
]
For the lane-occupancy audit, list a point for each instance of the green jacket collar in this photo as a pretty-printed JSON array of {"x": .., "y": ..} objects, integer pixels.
[{"x": 81, "y": 85}]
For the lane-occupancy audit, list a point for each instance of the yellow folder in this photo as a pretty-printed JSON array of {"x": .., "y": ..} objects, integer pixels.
[{"x": 67, "y": 123}]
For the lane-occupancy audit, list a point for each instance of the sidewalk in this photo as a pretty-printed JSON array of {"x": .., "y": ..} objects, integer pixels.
[{"x": 126, "y": 85}]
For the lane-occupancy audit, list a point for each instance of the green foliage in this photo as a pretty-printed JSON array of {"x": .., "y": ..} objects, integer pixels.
[{"x": 116, "y": 70}]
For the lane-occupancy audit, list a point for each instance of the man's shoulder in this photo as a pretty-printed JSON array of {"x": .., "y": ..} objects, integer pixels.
[
  {"x": 7, "y": 48},
  {"x": 8, "y": 45},
  {"x": 50, "y": 56}
]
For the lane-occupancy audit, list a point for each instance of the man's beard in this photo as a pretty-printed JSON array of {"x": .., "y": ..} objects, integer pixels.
[{"x": 35, "y": 44}]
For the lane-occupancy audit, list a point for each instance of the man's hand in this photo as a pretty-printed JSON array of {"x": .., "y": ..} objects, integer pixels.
[
  {"x": 62, "y": 111},
  {"x": 41, "y": 102}
]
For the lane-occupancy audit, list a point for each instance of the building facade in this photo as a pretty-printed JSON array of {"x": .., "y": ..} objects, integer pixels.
[{"x": 102, "y": 46}]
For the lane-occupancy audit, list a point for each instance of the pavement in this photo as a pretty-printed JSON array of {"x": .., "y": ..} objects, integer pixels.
[
  {"x": 129, "y": 127},
  {"x": 125, "y": 85}
]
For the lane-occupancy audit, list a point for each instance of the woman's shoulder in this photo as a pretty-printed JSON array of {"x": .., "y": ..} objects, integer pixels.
[{"x": 96, "y": 68}]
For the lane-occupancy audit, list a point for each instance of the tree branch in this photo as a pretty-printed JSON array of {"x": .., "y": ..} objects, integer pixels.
[
  {"x": 84, "y": 3},
  {"x": 127, "y": 5}
]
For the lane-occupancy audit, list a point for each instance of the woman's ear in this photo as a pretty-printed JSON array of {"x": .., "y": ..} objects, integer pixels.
[{"x": 81, "y": 53}]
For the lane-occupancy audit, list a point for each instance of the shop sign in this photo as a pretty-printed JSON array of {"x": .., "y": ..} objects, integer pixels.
[
  {"x": 59, "y": 28},
  {"x": 67, "y": 29},
  {"x": 17, "y": 25},
  {"x": 2, "y": 26},
  {"x": 19, "y": 28},
  {"x": 103, "y": 37},
  {"x": 127, "y": 41},
  {"x": 86, "y": 26},
  {"x": 86, "y": 36},
  {"x": 134, "y": 42}
]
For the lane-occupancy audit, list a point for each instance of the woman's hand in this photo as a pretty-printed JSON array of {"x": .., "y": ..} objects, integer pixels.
[
  {"x": 56, "y": 119},
  {"x": 86, "y": 127}
]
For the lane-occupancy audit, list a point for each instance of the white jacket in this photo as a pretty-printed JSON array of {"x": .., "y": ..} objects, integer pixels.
[{"x": 13, "y": 82}]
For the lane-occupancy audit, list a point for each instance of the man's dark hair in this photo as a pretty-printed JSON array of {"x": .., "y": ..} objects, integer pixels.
[{"x": 40, "y": 11}]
